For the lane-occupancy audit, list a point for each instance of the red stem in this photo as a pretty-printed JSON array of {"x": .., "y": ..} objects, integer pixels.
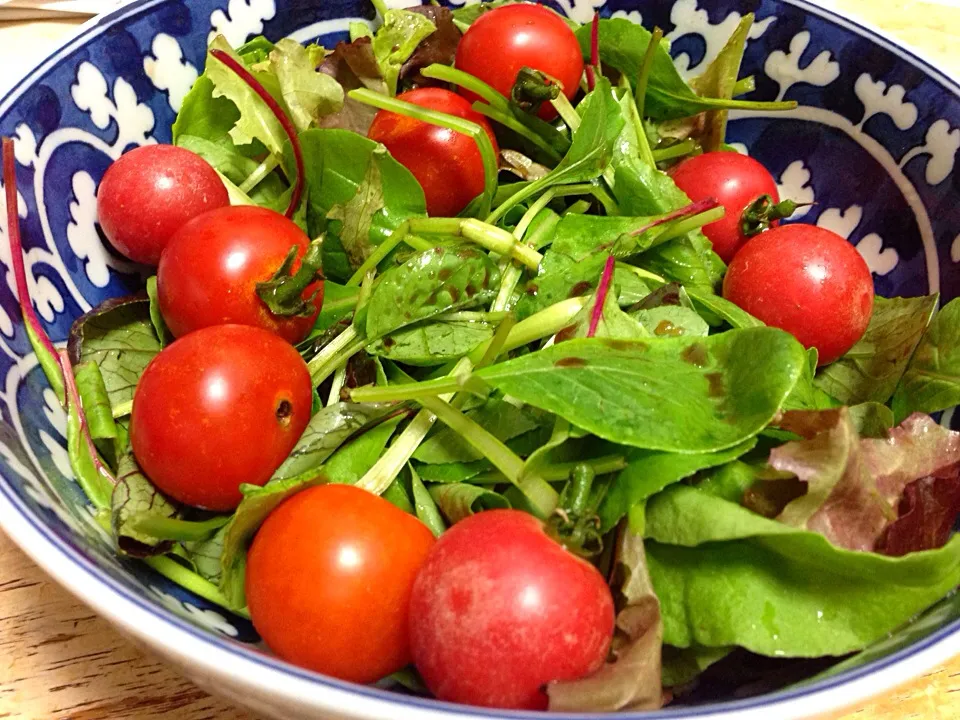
[
  {"x": 73, "y": 398},
  {"x": 282, "y": 118},
  {"x": 684, "y": 212},
  {"x": 602, "y": 291},
  {"x": 594, "y": 65},
  {"x": 16, "y": 246}
]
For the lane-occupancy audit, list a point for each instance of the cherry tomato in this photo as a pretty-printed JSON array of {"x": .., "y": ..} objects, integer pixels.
[
  {"x": 808, "y": 281},
  {"x": 209, "y": 272},
  {"x": 220, "y": 407},
  {"x": 149, "y": 193},
  {"x": 505, "y": 40},
  {"x": 328, "y": 581},
  {"x": 736, "y": 181},
  {"x": 447, "y": 164},
  {"x": 500, "y": 609}
]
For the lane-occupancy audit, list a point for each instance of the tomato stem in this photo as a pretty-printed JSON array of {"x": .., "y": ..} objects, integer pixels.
[
  {"x": 491, "y": 166},
  {"x": 283, "y": 293},
  {"x": 763, "y": 213},
  {"x": 574, "y": 523},
  {"x": 532, "y": 88},
  {"x": 282, "y": 118},
  {"x": 602, "y": 291}
]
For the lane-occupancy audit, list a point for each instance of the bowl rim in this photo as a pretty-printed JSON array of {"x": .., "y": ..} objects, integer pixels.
[{"x": 190, "y": 647}]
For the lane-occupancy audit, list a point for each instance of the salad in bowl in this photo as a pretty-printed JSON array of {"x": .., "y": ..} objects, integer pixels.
[{"x": 476, "y": 361}]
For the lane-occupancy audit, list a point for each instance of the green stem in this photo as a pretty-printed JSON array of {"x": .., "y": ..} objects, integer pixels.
[
  {"x": 339, "y": 378},
  {"x": 676, "y": 150},
  {"x": 640, "y": 272},
  {"x": 560, "y": 471},
  {"x": 679, "y": 228},
  {"x": 383, "y": 249},
  {"x": 567, "y": 112},
  {"x": 234, "y": 194},
  {"x": 415, "y": 391},
  {"x": 172, "y": 570},
  {"x": 535, "y": 488},
  {"x": 469, "y": 82},
  {"x": 643, "y": 81},
  {"x": 165, "y": 528},
  {"x": 744, "y": 86},
  {"x": 471, "y": 129},
  {"x": 521, "y": 229},
  {"x": 542, "y": 325},
  {"x": 381, "y": 7},
  {"x": 268, "y": 165},
  {"x": 488, "y": 236},
  {"x": 471, "y": 316},
  {"x": 580, "y": 207},
  {"x": 122, "y": 409},
  {"x": 498, "y": 342},
  {"x": 334, "y": 354},
  {"x": 509, "y": 121}
]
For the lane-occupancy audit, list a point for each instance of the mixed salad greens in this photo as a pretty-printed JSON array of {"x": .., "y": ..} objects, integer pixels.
[{"x": 551, "y": 365}]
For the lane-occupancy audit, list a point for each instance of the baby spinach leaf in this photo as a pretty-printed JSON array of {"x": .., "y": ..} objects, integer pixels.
[
  {"x": 932, "y": 380},
  {"x": 307, "y": 94},
  {"x": 159, "y": 324},
  {"x": 352, "y": 461},
  {"x": 338, "y": 303},
  {"x": 682, "y": 666},
  {"x": 650, "y": 471},
  {"x": 424, "y": 505},
  {"x": 324, "y": 434},
  {"x": 134, "y": 497},
  {"x": 719, "y": 80},
  {"x": 614, "y": 322},
  {"x": 726, "y": 576},
  {"x": 119, "y": 337},
  {"x": 397, "y": 39},
  {"x": 672, "y": 394},
  {"x": 348, "y": 173},
  {"x": 458, "y": 501},
  {"x": 432, "y": 342},
  {"x": 430, "y": 283},
  {"x": 722, "y": 308},
  {"x": 502, "y": 419},
  {"x": 871, "y": 370}
]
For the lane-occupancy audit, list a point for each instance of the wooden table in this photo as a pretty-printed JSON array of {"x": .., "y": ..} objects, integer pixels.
[{"x": 58, "y": 661}]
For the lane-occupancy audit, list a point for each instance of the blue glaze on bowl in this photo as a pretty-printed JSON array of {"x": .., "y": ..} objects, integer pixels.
[{"x": 874, "y": 144}]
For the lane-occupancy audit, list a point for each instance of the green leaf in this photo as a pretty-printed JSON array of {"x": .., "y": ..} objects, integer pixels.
[
  {"x": 872, "y": 368},
  {"x": 453, "y": 472},
  {"x": 120, "y": 338},
  {"x": 806, "y": 395},
  {"x": 338, "y": 303},
  {"x": 650, "y": 471},
  {"x": 502, "y": 419},
  {"x": 134, "y": 497},
  {"x": 308, "y": 94},
  {"x": 397, "y": 39},
  {"x": 430, "y": 283},
  {"x": 872, "y": 420},
  {"x": 205, "y": 556},
  {"x": 669, "y": 394},
  {"x": 352, "y": 461},
  {"x": 614, "y": 322},
  {"x": 256, "y": 120},
  {"x": 722, "y": 308},
  {"x": 681, "y": 666},
  {"x": 225, "y": 157},
  {"x": 458, "y": 501},
  {"x": 424, "y": 506},
  {"x": 432, "y": 342},
  {"x": 324, "y": 434},
  {"x": 95, "y": 402},
  {"x": 346, "y": 170},
  {"x": 719, "y": 80},
  {"x": 726, "y": 576},
  {"x": 159, "y": 325},
  {"x": 932, "y": 380}
]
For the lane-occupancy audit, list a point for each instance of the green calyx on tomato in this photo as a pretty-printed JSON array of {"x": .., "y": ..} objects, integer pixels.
[
  {"x": 763, "y": 213},
  {"x": 575, "y": 523},
  {"x": 283, "y": 292},
  {"x": 533, "y": 88}
]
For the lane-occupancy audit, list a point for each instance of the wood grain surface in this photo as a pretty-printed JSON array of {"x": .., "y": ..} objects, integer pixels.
[{"x": 58, "y": 661}]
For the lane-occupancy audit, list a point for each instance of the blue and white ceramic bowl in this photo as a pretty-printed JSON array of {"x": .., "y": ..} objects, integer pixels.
[{"x": 873, "y": 143}]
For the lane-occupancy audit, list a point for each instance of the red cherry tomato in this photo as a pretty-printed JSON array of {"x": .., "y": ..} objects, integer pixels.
[
  {"x": 805, "y": 280},
  {"x": 736, "y": 181},
  {"x": 328, "y": 581},
  {"x": 221, "y": 407},
  {"x": 209, "y": 272},
  {"x": 447, "y": 164},
  {"x": 149, "y": 193},
  {"x": 505, "y": 40},
  {"x": 500, "y": 609}
]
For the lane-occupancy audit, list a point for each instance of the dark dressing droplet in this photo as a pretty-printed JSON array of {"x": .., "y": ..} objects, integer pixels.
[
  {"x": 570, "y": 362},
  {"x": 716, "y": 385},
  {"x": 696, "y": 354},
  {"x": 668, "y": 328}
]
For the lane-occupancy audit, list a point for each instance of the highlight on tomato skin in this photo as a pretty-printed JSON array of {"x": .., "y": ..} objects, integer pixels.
[
  {"x": 447, "y": 164},
  {"x": 507, "y": 39},
  {"x": 218, "y": 408},
  {"x": 808, "y": 281},
  {"x": 149, "y": 193},
  {"x": 211, "y": 271},
  {"x": 344, "y": 562}
]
